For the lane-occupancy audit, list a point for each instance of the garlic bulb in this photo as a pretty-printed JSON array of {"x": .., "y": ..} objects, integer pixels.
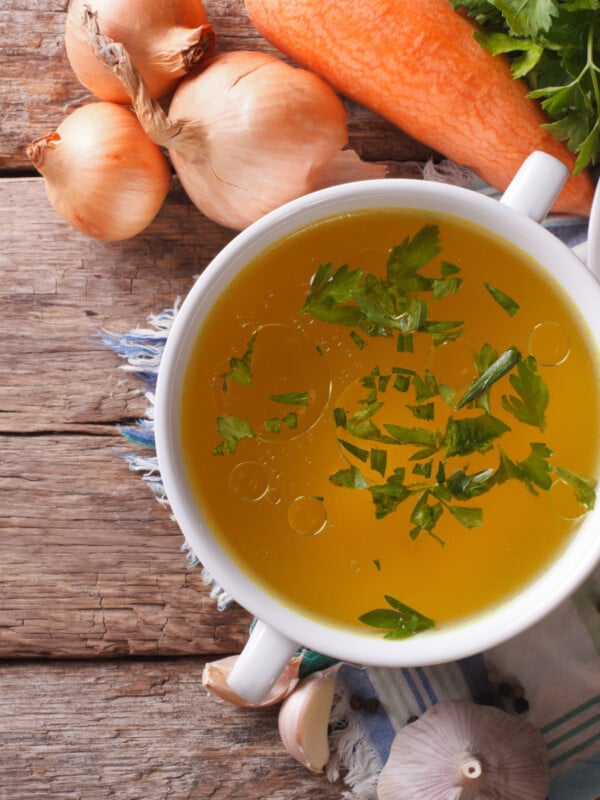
[
  {"x": 304, "y": 718},
  {"x": 166, "y": 39},
  {"x": 103, "y": 174},
  {"x": 214, "y": 680},
  {"x": 462, "y": 751},
  {"x": 246, "y": 133}
]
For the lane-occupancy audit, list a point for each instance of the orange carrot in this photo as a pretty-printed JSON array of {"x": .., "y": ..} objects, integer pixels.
[{"x": 417, "y": 64}]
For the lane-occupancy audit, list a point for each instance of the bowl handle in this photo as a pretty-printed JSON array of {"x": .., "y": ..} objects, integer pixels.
[
  {"x": 260, "y": 663},
  {"x": 536, "y": 185}
]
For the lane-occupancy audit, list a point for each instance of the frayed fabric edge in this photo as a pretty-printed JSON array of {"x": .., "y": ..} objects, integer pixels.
[
  {"x": 142, "y": 349},
  {"x": 353, "y": 759}
]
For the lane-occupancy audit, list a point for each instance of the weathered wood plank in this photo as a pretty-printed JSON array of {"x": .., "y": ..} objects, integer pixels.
[
  {"x": 91, "y": 564},
  {"x": 138, "y": 729},
  {"x": 59, "y": 290},
  {"x": 38, "y": 88}
]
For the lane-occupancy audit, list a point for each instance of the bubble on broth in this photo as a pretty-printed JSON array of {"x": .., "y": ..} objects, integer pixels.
[
  {"x": 249, "y": 481},
  {"x": 564, "y": 502},
  {"x": 453, "y": 363},
  {"x": 280, "y": 404},
  {"x": 273, "y": 497},
  {"x": 307, "y": 515},
  {"x": 549, "y": 343}
]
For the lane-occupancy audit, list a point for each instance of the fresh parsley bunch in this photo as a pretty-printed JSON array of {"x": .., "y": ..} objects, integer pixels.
[{"x": 555, "y": 46}]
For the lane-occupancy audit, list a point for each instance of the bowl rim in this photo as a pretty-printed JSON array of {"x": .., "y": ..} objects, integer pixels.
[{"x": 449, "y": 642}]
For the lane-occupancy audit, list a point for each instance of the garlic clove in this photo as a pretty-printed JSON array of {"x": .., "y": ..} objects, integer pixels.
[
  {"x": 304, "y": 718},
  {"x": 215, "y": 674},
  {"x": 459, "y": 750}
]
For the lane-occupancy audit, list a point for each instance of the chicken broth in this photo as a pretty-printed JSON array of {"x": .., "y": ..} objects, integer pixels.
[{"x": 389, "y": 408}]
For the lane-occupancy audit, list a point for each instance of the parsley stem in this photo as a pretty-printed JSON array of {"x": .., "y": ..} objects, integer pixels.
[
  {"x": 592, "y": 66},
  {"x": 493, "y": 373}
]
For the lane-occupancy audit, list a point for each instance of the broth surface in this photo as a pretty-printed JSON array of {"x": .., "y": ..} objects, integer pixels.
[{"x": 318, "y": 547}]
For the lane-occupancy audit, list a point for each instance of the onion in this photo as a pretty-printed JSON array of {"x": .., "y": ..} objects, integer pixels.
[
  {"x": 165, "y": 39},
  {"x": 103, "y": 174},
  {"x": 246, "y": 133}
]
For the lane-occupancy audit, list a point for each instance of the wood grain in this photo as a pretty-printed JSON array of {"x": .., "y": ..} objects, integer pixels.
[
  {"x": 64, "y": 289},
  {"x": 91, "y": 564},
  {"x": 138, "y": 729},
  {"x": 38, "y": 87}
]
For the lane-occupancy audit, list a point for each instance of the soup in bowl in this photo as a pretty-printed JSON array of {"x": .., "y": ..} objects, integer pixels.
[{"x": 377, "y": 422}]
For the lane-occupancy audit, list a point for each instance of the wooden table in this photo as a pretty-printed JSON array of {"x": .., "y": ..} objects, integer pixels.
[{"x": 104, "y": 630}]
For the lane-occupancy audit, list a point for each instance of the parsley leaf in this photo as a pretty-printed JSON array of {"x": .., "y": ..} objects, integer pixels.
[
  {"x": 536, "y": 469},
  {"x": 240, "y": 369},
  {"x": 406, "y": 259},
  {"x": 232, "y": 429},
  {"x": 464, "y": 486},
  {"x": 400, "y": 620},
  {"x": 388, "y": 496},
  {"x": 291, "y": 398},
  {"x": 389, "y": 305},
  {"x": 472, "y": 434},
  {"x": 351, "y": 478},
  {"x": 528, "y": 17},
  {"x": 504, "y": 301},
  {"x": 584, "y": 487},
  {"x": 468, "y": 517},
  {"x": 533, "y": 395}
]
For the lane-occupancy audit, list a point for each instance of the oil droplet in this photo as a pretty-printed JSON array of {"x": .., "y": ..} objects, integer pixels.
[
  {"x": 249, "y": 481},
  {"x": 273, "y": 497},
  {"x": 307, "y": 515},
  {"x": 549, "y": 343},
  {"x": 564, "y": 502},
  {"x": 452, "y": 363},
  {"x": 355, "y": 566}
]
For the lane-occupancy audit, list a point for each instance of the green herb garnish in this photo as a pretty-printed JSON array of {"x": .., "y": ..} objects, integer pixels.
[
  {"x": 472, "y": 434},
  {"x": 491, "y": 374},
  {"x": 391, "y": 305},
  {"x": 554, "y": 45},
  {"x": 585, "y": 488},
  {"x": 533, "y": 396},
  {"x": 240, "y": 369},
  {"x": 400, "y": 621},
  {"x": 275, "y": 424},
  {"x": 232, "y": 429},
  {"x": 291, "y": 398},
  {"x": 504, "y": 301}
]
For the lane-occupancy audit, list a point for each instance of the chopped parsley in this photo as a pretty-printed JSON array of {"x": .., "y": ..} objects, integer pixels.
[
  {"x": 400, "y": 306},
  {"x": 399, "y": 620}
]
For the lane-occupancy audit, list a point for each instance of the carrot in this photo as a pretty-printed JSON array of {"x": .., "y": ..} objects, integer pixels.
[{"x": 417, "y": 64}]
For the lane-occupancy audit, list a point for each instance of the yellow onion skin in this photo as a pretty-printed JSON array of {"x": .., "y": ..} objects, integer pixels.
[
  {"x": 103, "y": 175},
  {"x": 165, "y": 39},
  {"x": 262, "y": 131}
]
